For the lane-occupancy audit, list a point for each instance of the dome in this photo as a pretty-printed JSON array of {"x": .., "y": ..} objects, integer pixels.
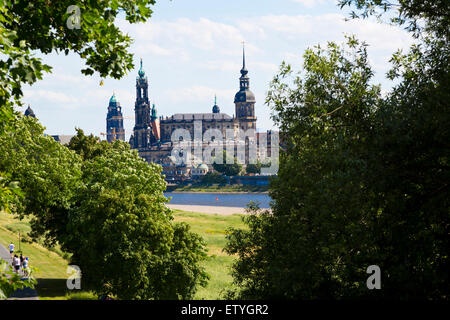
[
  {"x": 113, "y": 98},
  {"x": 244, "y": 96},
  {"x": 202, "y": 166},
  {"x": 216, "y": 108},
  {"x": 29, "y": 112}
]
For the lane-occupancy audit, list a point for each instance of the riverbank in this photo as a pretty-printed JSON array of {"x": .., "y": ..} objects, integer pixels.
[{"x": 223, "y": 211}]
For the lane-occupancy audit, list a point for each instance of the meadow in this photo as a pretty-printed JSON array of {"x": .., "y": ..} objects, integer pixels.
[{"x": 51, "y": 263}]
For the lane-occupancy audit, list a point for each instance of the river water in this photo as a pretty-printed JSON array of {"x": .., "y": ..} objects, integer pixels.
[{"x": 239, "y": 200}]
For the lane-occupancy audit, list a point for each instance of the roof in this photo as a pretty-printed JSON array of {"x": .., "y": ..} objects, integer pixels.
[
  {"x": 113, "y": 98},
  {"x": 201, "y": 116},
  {"x": 29, "y": 112},
  {"x": 63, "y": 139},
  {"x": 244, "y": 96}
]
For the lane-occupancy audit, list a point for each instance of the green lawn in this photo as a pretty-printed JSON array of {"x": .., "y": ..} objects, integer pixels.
[
  {"x": 213, "y": 229},
  {"x": 52, "y": 266},
  {"x": 51, "y": 273}
]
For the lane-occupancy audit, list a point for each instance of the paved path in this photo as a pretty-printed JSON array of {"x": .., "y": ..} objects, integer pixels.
[{"x": 25, "y": 294}]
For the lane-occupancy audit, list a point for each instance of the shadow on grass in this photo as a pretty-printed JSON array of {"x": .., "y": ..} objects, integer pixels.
[
  {"x": 57, "y": 289},
  {"x": 51, "y": 288}
]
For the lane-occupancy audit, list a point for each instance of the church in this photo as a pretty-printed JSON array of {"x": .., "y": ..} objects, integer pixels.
[{"x": 152, "y": 135}]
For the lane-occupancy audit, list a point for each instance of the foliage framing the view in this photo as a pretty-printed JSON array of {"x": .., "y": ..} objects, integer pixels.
[{"x": 364, "y": 178}]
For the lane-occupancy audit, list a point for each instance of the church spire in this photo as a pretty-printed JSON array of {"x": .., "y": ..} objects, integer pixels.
[
  {"x": 141, "y": 71},
  {"x": 244, "y": 98},
  {"x": 244, "y": 70},
  {"x": 244, "y": 80}
]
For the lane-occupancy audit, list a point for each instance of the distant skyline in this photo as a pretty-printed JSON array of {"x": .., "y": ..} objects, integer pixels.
[{"x": 192, "y": 51}]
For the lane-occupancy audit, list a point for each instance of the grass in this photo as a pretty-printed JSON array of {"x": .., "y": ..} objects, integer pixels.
[
  {"x": 52, "y": 266},
  {"x": 213, "y": 230}
]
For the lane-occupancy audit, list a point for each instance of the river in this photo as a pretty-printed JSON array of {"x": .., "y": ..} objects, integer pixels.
[{"x": 219, "y": 199}]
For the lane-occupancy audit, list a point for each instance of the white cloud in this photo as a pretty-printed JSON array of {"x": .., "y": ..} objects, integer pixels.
[
  {"x": 202, "y": 94},
  {"x": 329, "y": 27},
  {"x": 264, "y": 66},
  {"x": 222, "y": 65},
  {"x": 49, "y": 95},
  {"x": 235, "y": 66},
  {"x": 153, "y": 49},
  {"x": 309, "y": 3},
  {"x": 165, "y": 37}
]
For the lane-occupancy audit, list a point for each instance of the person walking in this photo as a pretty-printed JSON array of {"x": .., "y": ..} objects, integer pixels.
[
  {"x": 11, "y": 249},
  {"x": 25, "y": 267},
  {"x": 16, "y": 263}
]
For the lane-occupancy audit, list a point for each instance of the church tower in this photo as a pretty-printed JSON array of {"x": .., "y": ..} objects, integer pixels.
[
  {"x": 245, "y": 100},
  {"x": 142, "y": 131},
  {"x": 114, "y": 121}
]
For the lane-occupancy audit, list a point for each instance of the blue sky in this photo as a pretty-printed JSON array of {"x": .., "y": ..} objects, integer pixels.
[{"x": 192, "y": 50}]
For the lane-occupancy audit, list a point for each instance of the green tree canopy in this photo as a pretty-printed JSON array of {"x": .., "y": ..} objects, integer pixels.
[
  {"x": 212, "y": 178},
  {"x": 253, "y": 168},
  {"x": 104, "y": 205},
  {"x": 122, "y": 234},
  {"x": 364, "y": 178},
  {"x": 48, "y": 174},
  {"x": 47, "y": 26},
  {"x": 228, "y": 169}
]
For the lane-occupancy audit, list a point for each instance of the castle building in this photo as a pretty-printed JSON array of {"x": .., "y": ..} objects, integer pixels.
[
  {"x": 114, "y": 121},
  {"x": 152, "y": 135}
]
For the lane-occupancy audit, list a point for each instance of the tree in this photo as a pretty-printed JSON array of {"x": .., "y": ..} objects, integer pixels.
[
  {"x": 297, "y": 252},
  {"x": 85, "y": 28},
  {"x": 121, "y": 233},
  {"x": 228, "y": 169},
  {"x": 253, "y": 168},
  {"x": 159, "y": 259},
  {"x": 88, "y": 147},
  {"x": 363, "y": 179},
  {"x": 107, "y": 208},
  {"x": 46, "y": 26},
  {"x": 212, "y": 178},
  {"x": 48, "y": 175}
]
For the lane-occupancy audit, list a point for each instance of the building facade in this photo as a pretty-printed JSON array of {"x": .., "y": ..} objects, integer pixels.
[{"x": 154, "y": 136}]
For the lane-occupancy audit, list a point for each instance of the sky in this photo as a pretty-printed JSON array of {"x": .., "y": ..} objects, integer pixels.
[{"x": 192, "y": 51}]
